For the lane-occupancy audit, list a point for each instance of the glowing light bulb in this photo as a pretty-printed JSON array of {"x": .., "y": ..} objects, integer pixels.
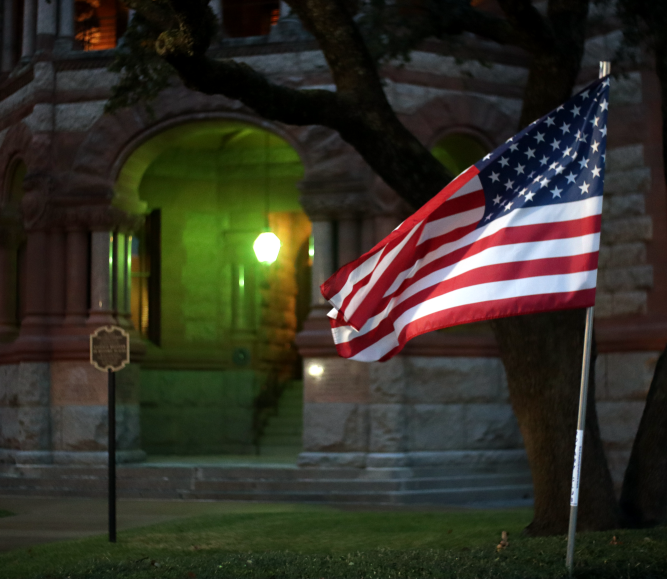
[
  {"x": 266, "y": 246},
  {"x": 315, "y": 370}
]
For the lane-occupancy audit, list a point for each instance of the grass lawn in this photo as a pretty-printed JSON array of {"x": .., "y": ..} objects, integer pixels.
[{"x": 318, "y": 542}]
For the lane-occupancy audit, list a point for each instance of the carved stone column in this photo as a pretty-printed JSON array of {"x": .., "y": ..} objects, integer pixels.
[
  {"x": 323, "y": 264},
  {"x": 108, "y": 261},
  {"x": 76, "y": 306},
  {"x": 336, "y": 391},
  {"x": 36, "y": 299},
  {"x": 101, "y": 276},
  {"x": 66, "y": 24},
  {"x": 56, "y": 277},
  {"x": 29, "y": 28},
  {"x": 9, "y": 240},
  {"x": 8, "y": 55},
  {"x": 47, "y": 23},
  {"x": 349, "y": 240},
  {"x": 122, "y": 279},
  {"x": 331, "y": 209}
]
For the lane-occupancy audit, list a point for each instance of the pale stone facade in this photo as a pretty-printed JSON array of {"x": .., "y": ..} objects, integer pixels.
[{"x": 442, "y": 403}]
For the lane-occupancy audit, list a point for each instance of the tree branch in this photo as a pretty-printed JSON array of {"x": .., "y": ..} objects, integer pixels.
[
  {"x": 359, "y": 110},
  {"x": 523, "y": 16}
]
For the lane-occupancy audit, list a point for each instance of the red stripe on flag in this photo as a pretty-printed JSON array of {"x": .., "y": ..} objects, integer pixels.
[
  {"x": 335, "y": 284},
  {"x": 496, "y": 309},
  {"x": 486, "y": 274},
  {"x": 487, "y": 310},
  {"x": 507, "y": 236}
]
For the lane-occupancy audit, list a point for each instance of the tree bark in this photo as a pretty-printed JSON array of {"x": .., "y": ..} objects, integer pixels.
[
  {"x": 542, "y": 357},
  {"x": 644, "y": 493}
]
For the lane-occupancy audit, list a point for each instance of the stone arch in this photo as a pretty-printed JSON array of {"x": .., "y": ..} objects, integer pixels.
[
  {"x": 114, "y": 137},
  {"x": 477, "y": 116}
]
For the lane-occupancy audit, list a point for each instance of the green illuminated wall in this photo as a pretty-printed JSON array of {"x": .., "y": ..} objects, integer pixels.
[{"x": 213, "y": 183}]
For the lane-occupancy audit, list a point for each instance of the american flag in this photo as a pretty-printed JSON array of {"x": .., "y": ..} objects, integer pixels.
[{"x": 516, "y": 233}]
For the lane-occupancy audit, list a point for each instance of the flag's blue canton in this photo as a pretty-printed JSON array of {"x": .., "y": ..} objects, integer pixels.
[{"x": 557, "y": 159}]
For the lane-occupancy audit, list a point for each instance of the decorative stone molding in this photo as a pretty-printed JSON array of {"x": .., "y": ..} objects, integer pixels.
[
  {"x": 37, "y": 211},
  {"x": 323, "y": 205},
  {"x": 106, "y": 218}
]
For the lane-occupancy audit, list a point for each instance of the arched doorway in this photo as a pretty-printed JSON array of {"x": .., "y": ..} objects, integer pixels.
[
  {"x": 457, "y": 151},
  {"x": 219, "y": 326}
]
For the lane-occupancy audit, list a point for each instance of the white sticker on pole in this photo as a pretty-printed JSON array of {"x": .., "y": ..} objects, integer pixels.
[{"x": 576, "y": 470}]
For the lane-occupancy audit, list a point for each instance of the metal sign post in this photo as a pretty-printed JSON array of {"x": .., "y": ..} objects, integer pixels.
[
  {"x": 109, "y": 352},
  {"x": 605, "y": 69}
]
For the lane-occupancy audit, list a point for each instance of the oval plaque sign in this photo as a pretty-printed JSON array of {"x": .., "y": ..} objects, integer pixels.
[{"x": 109, "y": 348}]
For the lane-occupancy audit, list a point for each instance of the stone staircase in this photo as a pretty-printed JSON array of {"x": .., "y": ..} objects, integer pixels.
[
  {"x": 282, "y": 435},
  {"x": 274, "y": 476},
  {"x": 369, "y": 486}
]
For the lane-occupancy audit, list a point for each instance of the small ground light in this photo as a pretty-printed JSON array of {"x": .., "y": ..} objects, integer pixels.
[
  {"x": 266, "y": 246},
  {"x": 315, "y": 370}
]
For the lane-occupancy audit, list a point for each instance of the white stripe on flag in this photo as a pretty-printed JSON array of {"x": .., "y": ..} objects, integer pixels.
[
  {"x": 488, "y": 292},
  {"x": 495, "y": 255},
  {"x": 516, "y": 252},
  {"x": 384, "y": 263},
  {"x": 526, "y": 216}
]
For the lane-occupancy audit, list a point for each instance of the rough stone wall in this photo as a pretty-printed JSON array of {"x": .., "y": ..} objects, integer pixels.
[
  {"x": 57, "y": 412},
  {"x": 24, "y": 408},
  {"x": 624, "y": 276},
  {"x": 198, "y": 411},
  {"x": 406, "y": 410},
  {"x": 278, "y": 294}
]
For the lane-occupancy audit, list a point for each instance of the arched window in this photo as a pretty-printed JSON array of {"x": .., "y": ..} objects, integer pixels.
[
  {"x": 249, "y": 17},
  {"x": 457, "y": 151},
  {"x": 99, "y": 23}
]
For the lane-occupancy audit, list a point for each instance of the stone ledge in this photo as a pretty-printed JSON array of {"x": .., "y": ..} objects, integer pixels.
[
  {"x": 474, "y": 459},
  {"x": 332, "y": 459},
  {"x": 19, "y": 457}
]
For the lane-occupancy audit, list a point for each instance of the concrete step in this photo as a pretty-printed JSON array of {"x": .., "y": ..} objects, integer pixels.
[
  {"x": 359, "y": 486},
  {"x": 156, "y": 471},
  {"x": 283, "y": 431},
  {"x": 521, "y": 494},
  {"x": 335, "y": 485}
]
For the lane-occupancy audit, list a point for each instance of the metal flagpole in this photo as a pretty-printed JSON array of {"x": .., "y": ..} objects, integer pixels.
[
  {"x": 112, "y": 455},
  {"x": 605, "y": 69}
]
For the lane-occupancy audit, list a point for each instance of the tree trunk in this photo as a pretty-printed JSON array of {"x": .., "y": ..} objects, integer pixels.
[
  {"x": 644, "y": 494},
  {"x": 542, "y": 355}
]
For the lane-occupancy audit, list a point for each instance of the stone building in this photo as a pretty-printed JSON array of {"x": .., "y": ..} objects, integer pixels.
[{"x": 146, "y": 220}]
